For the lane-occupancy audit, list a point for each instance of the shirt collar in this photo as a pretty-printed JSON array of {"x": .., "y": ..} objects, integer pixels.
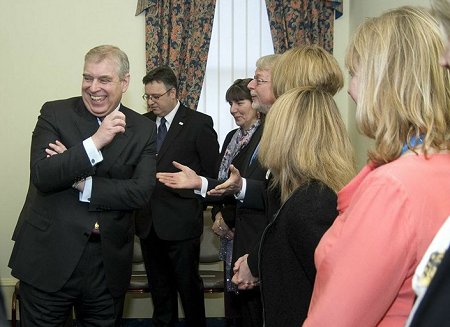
[{"x": 169, "y": 117}]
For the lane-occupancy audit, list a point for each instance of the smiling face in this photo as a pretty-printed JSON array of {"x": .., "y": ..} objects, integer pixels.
[
  {"x": 243, "y": 113},
  {"x": 261, "y": 90},
  {"x": 102, "y": 88}
]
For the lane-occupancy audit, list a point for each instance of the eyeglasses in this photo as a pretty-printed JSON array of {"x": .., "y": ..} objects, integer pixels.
[
  {"x": 154, "y": 97},
  {"x": 259, "y": 81}
]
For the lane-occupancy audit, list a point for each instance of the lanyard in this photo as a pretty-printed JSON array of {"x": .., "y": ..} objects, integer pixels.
[{"x": 413, "y": 142}]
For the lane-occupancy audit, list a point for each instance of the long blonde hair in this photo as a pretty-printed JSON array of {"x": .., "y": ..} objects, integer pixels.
[
  {"x": 304, "y": 139},
  {"x": 402, "y": 90}
]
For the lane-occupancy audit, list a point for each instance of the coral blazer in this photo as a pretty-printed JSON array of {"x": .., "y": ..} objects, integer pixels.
[{"x": 366, "y": 260}]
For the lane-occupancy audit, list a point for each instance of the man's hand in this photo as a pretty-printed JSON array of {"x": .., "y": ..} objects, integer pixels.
[
  {"x": 112, "y": 124},
  {"x": 55, "y": 148},
  {"x": 186, "y": 178},
  {"x": 231, "y": 186},
  {"x": 243, "y": 277}
]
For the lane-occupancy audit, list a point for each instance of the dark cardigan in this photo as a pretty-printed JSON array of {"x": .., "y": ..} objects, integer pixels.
[{"x": 286, "y": 253}]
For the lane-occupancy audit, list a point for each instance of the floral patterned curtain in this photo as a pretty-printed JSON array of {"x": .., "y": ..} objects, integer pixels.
[
  {"x": 296, "y": 22},
  {"x": 178, "y": 34}
]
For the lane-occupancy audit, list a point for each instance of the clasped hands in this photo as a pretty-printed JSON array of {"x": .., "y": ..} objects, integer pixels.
[
  {"x": 243, "y": 277},
  {"x": 186, "y": 178},
  {"x": 221, "y": 229}
]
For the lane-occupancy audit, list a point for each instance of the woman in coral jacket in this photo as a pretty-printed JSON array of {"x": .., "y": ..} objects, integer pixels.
[{"x": 391, "y": 210}]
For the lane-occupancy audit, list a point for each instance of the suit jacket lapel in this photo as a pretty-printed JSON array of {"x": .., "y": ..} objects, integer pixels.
[{"x": 86, "y": 123}]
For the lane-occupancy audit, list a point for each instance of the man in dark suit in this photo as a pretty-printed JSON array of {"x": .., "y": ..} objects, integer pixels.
[
  {"x": 250, "y": 219},
  {"x": 171, "y": 225},
  {"x": 92, "y": 164}
]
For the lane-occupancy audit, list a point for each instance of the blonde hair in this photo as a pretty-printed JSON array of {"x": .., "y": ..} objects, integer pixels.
[
  {"x": 402, "y": 90},
  {"x": 306, "y": 65},
  {"x": 441, "y": 9},
  {"x": 304, "y": 139}
]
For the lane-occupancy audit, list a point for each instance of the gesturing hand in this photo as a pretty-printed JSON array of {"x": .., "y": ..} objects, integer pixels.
[
  {"x": 112, "y": 124},
  {"x": 231, "y": 186},
  {"x": 186, "y": 178}
]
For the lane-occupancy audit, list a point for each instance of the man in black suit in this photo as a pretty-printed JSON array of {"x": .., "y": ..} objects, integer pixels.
[
  {"x": 250, "y": 219},
  {"x": 92, "y": 164},
  {"x": 171, "y": 225}
]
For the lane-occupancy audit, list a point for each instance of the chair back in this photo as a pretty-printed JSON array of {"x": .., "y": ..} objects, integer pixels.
[
  {"x": 213, "y": 277},
  {"x": 138, "y": 282},
  {"x": 210, "y": 244}
]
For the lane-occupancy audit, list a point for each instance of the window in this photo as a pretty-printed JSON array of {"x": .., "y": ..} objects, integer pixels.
[{"x": 240, "y": 35}]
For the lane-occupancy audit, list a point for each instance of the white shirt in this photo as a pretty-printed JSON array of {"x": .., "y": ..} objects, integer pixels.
[{"x": 95, "y": 157}]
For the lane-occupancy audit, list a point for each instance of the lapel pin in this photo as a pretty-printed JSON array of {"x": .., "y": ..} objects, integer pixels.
[{"x": 181, "y": 123}]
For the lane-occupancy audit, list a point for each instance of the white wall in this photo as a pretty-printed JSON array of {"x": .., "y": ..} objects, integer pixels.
[{"x": 42, "y": 48}]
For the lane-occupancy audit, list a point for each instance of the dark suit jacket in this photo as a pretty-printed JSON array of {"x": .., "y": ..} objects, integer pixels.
[
  {"x": 433, "y": 309},
  {"x": 259, "y": 195},
  {"x": 259, "y": 201},
  {"x": 54, "y": 226},
  {"x": 178, "y": 214},
  {"x": 249, "y": 222}
]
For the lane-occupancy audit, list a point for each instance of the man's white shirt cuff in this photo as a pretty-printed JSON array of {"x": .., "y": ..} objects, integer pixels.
[
  {"x": 241, "y": 194},
  {"x": 204, "y": 188},
  {"x": 85, "y": 196},
  {"x": 95, "y": 156}
]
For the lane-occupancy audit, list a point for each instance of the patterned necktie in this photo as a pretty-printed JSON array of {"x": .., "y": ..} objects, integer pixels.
[{"x": 162, "y": 132}]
